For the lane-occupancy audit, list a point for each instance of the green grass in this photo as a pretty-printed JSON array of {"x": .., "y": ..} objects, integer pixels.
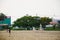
[
  {"x": 19, "y": 29},
  {"x": 47, "y": 29},
  {"x": 51, "y": 28}
]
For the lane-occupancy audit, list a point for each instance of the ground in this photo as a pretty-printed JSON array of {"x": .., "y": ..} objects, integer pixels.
[{"x": 30, "y": 35}]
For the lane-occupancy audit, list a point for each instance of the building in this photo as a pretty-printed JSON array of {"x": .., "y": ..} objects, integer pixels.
[{"x": 5, "y": 23}]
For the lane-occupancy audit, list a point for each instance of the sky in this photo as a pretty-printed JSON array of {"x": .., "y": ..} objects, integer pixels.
[{"x": 19, "y": 8}]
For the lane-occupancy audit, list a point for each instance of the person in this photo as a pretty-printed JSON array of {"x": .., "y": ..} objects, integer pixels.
[{"x": 9, "y": 30}]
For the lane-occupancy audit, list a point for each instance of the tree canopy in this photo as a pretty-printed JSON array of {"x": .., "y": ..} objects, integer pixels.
[
  {"x": 45, "y": 21},
  {"x": 29, "y": 21}
]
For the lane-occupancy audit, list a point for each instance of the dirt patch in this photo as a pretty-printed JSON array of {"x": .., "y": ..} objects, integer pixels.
[{"x": 30, "y": 35}]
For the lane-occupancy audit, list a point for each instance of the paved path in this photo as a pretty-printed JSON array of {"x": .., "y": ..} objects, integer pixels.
[{"x": 30, "y": 35}]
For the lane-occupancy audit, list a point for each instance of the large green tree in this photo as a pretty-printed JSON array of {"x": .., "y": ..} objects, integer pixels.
[
  {"x": 45, "y": 21},
  {"x": 23, "y": 21},
  {"x": 27, "y": 21}
]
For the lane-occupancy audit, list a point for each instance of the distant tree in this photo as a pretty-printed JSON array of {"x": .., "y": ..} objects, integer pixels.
[
  {"x": 45, "y": 21},
  {"x": 2, "y": 16}
]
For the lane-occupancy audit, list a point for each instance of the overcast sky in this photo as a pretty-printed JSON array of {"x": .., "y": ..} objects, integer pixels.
[{"x": 19, "y": 8}]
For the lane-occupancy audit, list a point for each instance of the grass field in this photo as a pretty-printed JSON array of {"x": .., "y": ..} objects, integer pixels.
[
  {"x": 51, "y": 29},
  {"x": 30, "y": 35}
]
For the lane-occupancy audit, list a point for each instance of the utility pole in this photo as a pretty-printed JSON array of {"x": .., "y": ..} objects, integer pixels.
[
  {"x": 27, "y": 15},
  {"x": 36, "y": 14}
]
